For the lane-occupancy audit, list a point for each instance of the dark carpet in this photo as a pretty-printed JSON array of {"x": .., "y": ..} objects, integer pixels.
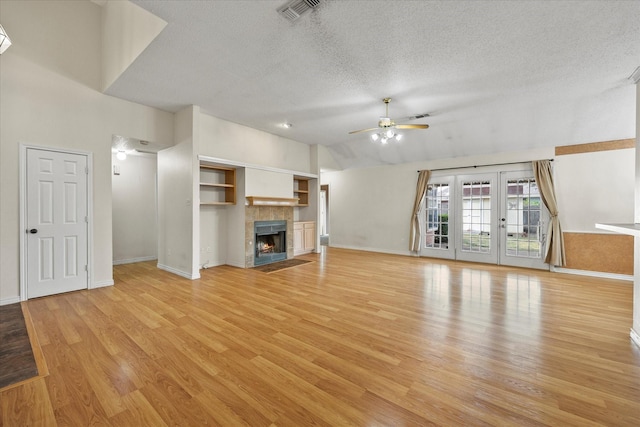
[
  {"x": 16, "y": 357},
  {"x": 280, "y": 265}
]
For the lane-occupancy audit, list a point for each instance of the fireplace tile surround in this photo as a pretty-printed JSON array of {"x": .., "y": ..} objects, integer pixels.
[{"x": 265, "y": 213}]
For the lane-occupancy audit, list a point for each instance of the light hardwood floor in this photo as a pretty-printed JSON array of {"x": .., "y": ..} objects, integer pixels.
[{"x": 353, "y": 338}]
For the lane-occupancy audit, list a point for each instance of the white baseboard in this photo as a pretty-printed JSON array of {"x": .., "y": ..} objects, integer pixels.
[
  {"x": 211, "y": 263},
  {"x": 179, "y": 272},
  {"x": 102, "y": 284},
  {"x": 635, "y": 337},
  {"x": 7, "y": 301},
  {"x": 377, "y": 250},
  {"x": 133, "y": 260},
  {"x": 600, "y": 274}
]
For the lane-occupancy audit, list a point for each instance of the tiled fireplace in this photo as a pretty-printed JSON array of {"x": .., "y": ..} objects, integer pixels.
[{"x": 270, "y": 214}]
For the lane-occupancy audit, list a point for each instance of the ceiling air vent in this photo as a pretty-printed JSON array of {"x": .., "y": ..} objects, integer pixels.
[{"x": 296, "y": 8}]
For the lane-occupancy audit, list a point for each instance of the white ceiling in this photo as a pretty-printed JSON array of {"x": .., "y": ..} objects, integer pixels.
[{"x": 494, "y": 75}]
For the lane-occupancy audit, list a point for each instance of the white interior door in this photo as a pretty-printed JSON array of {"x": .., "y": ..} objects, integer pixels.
[{"x": 56, "y": 219}]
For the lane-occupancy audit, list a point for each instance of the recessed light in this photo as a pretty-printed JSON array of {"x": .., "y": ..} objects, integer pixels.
[{"x": 286, "y": 125}]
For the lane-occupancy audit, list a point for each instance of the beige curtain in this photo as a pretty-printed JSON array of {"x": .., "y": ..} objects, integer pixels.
[
  {"x": 555, "y": 241},
  {"x": 421, "y": 188}
]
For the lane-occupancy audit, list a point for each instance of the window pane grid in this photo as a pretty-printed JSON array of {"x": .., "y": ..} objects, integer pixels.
[
  {"x": 437, "y": 216},
  {"x": 476, "y": 217},
  {"x": 523, "y": 218}
]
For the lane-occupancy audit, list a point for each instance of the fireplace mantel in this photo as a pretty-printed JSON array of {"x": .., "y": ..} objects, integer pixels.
[{"x": 271, "y": 201}]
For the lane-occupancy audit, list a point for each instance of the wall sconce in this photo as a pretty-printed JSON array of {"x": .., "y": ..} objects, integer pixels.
[{"x": 5, "y": 41}]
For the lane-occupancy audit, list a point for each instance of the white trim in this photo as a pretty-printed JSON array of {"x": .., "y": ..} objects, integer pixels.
[
  {"x": 134, "y": 260},
  {"x": 179, "y": 272},
  {"x": 8, "y": 301},
  {"x": 102, "y": 284},
  {"x": 226, "y": 162},
  {"x": 628, "y": 229},
  {"x": 23, "y": 211},
  {"x": 635, "y": 337},
  {"x": 377, "y": 250},
  {"x": 600, "y": 274}
]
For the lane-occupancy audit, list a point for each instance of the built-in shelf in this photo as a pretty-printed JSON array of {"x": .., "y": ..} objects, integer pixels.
[
  {"x": 301, "y": 190},
  {"x": 217, "y": 185}
]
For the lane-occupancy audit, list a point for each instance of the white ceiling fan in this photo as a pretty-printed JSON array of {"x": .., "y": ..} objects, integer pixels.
[{"x": 387, "y": 128}]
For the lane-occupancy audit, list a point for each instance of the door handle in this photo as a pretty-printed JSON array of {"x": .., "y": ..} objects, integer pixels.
[{"x": 33, "y": 231}]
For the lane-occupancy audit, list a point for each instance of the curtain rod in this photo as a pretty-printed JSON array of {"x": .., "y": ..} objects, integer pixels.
[{"x": 480, "y": 166}]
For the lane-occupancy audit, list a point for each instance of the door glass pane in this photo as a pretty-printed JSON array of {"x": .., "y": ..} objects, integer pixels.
[
  {"x": 523, "y": 218},
  {"x": 437, "y": 216},
  {"x": 476, "y": 217}
]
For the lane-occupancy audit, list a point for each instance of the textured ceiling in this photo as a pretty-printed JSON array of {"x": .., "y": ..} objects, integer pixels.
[{"x": 494, "y": 75}]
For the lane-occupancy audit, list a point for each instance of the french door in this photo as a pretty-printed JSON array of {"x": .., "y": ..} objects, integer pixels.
[{"x": 495, "y": 218}]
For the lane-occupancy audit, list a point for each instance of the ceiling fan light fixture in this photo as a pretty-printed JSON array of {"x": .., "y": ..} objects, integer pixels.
[{"x": 388, "y": 129}]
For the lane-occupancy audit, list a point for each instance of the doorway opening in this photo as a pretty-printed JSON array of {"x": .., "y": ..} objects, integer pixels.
[
  {"x": 134, "y": 209},
  {"x": 324, "y": 215}
]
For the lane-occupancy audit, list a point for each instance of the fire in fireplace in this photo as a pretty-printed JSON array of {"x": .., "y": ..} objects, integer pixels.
[{"x": 271, "y": 241}]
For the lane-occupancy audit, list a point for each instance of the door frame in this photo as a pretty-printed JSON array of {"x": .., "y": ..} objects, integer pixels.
[
  {"x": 23, "y": 211},
  {"x": 325, "y": 188}
]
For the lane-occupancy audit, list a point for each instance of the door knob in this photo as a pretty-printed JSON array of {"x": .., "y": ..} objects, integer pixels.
[{"x": 33, "y": 231}]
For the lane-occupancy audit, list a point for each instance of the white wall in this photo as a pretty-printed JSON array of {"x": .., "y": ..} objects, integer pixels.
[
  {"x": 636, "y": 240},
  {"x": 231, "y": 141},
  {"x": 175, "y": 202},
  {"x": 213, "y": 236},
  {"x": 264, "y": 183},
  {"x": 127, "y": 29},
  {"x": 370, "y": 208},
  {"x": 135, "y": 230},
  {"x": 594, "y": 187},
  {"x": 236, "y": 233},
  {"x": 178, "y": 233},
  {"x": 49, "y": 97}
]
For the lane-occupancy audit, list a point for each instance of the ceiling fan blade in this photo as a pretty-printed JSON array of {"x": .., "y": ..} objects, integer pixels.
[
  {"x": 362, "y": 130},
  {"x": 412, "y": 126}
]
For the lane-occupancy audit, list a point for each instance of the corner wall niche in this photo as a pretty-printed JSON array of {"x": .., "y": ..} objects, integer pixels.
[{"x": 266, "y": 213}]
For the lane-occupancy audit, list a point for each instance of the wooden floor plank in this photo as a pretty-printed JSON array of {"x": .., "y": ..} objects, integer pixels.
[{"x": 354, "y": 338}]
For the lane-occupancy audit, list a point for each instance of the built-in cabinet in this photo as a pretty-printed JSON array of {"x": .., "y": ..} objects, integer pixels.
[
  {"x": 304, "y": 237},
  {"x": 301, "y": 190},
  {"x": 217, "y": 185}
]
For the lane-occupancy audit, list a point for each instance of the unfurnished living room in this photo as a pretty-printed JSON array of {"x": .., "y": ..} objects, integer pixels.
[{"x": 319, "y": 212}]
